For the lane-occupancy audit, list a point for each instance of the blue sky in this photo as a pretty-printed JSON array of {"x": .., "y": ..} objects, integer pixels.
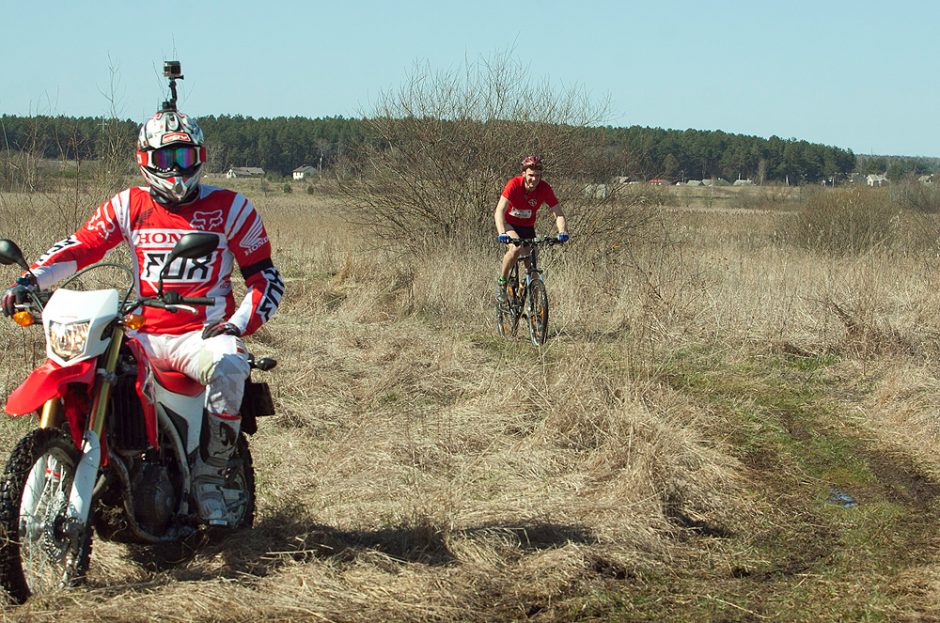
[{"x": 859, "y": 75}]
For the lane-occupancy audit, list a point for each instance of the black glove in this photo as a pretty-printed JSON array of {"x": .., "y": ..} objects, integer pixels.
[
  {"x": 14, "y": 295},
  {"x": 220, "y": 328}
]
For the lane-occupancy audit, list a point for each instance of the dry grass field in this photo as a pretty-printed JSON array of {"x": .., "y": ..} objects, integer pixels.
[{"x": 675, "y": 452}]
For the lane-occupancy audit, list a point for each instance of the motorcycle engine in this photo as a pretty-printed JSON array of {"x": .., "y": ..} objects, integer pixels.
[{"x": 154, "y": 497}]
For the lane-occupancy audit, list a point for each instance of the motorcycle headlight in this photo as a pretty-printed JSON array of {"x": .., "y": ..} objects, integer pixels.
[{"x": 68, "y": 339}]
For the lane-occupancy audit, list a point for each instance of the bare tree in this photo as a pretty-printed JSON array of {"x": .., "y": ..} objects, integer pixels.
[{"x": 445, "y": 143}]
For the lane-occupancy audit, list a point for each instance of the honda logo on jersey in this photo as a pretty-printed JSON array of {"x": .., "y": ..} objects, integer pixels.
[
  {"x": 255, "y": 237},
  {"x": 161, "y": 238}
]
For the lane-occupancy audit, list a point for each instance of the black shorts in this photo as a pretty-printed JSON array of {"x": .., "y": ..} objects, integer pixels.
[{"x": 523, "y": 231}]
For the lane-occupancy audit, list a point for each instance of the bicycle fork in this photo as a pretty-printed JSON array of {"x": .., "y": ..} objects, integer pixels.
[{"x": 529, "y": 278}]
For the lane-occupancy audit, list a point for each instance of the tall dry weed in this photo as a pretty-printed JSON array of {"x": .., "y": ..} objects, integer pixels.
[{"x": 856, "y": 220}]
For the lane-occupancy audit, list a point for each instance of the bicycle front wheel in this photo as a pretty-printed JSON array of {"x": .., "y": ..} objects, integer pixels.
[
  {"x": 507, "y": 316},
  {"x": 538, "y": 312}
]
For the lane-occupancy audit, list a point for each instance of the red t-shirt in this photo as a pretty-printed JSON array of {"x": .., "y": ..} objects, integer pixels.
[{"x": 523, "y": 206}]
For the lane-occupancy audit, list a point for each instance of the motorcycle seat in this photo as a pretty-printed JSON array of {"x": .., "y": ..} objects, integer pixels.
[{"x": 177, "y": 382}]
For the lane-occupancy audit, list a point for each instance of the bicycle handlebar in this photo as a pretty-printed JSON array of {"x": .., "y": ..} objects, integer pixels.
[{"x": 536, "y": 240}]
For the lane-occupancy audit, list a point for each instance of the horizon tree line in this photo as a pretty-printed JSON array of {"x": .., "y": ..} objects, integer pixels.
[{"x": 280, "y": 144}]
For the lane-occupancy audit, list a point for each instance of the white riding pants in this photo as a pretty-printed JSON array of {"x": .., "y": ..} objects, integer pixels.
[{"x": 220, "y": 363}]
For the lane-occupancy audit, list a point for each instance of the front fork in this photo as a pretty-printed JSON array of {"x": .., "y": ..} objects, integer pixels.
[
  {"x": 530, "y": 276},
  {"x": 86, "y": 473}
]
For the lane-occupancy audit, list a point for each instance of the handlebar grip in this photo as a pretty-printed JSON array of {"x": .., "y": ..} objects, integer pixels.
[{"x": 197, "y": 300}]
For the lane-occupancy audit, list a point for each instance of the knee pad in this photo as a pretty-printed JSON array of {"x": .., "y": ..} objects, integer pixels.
[{"x": 224, "y": 379}]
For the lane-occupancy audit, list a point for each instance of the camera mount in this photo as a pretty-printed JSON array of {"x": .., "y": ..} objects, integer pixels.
[{"x": 173, "y": 71}]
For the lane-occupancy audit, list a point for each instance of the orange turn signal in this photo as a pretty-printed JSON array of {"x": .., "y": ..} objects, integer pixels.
[
  {"x": 23, "y": 318},
  {"x": 133, "y": 321}
]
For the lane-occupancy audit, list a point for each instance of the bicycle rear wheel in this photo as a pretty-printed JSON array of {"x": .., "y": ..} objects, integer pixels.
[{"x": 538, "y": 312}]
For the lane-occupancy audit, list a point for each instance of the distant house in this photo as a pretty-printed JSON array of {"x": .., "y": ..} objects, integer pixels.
[
  {"x": 694, "y": 183},
  {"x": 304, "y": 172},
  {"x": 660, "y": 181},
  {"x": 235, "y": 172},
  {"x": 925, "y": 179},
  {"x": 875, "y": 180},
  {"x": 743, "y": 183}
]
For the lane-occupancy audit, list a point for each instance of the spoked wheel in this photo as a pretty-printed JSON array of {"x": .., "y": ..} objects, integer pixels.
[
  {"x": 40, "y": 549},
  {"x": 507, "y": 315},
  {"x": 538, "y": 312}
]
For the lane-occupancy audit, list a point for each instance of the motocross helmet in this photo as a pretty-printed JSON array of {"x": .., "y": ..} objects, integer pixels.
[
  {"x": 531, "y": 162},
  {"x": 170, "y": 154}
]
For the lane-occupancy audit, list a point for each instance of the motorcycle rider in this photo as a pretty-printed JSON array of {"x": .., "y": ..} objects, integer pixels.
[{"x": 206, "y": 346}]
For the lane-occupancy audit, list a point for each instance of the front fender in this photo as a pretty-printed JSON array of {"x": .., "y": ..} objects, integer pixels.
[{"x": 48, "y": 381}]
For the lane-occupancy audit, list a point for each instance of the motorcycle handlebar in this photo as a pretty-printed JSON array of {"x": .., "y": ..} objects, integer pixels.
[
  {"x": 197, "y": 300},
  {"x": 169, "y": 302}
]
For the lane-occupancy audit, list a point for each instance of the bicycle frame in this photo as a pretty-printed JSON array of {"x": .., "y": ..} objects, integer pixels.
[
  {"x": 519, "y": 298},
  {"x": 532, "y": 272}
]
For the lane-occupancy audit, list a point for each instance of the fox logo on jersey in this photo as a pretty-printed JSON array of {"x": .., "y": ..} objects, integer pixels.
[
  {"x": 207, "y": 220},
  {"x": 101, "y": 222},
  {"x": 182, "y": 270}
]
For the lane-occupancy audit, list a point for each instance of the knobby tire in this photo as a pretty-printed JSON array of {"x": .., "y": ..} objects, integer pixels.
[
  {"x": 35, "y": 556},
  {"x": 507, "y": 314},
  {"x": 538, "y": 312}
]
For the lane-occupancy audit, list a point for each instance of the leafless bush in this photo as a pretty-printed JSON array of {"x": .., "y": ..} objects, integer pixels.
[
  {"x": 20, "y": 164},
  {"x": 62, "y": 191},
  {"x": 768, "y": 197},
  {"x": 853, "y": 220},
  {"x": 911, "y": 194},
  {"x": 446, "y": 142}
]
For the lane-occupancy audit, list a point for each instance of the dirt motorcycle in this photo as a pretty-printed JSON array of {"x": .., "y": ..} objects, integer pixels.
[{"x": 117, "y": 438}]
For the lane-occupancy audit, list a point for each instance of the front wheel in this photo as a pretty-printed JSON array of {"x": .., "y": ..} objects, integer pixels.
[
  {"x": 538, "y": 312},
  {"x": 41, "y": 550},
  {"x": 507, "y": 313}
]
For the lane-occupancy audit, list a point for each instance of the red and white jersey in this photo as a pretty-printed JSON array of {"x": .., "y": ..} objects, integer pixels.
[{"x": 151, "y": 230}]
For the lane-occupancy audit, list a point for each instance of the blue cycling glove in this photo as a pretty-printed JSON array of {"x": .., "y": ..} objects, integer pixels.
[
  {"x": 504, "y": 238},
  {"x": 563, "y": 236}
]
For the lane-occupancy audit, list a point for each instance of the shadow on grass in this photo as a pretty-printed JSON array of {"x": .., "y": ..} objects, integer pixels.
[{"x": 289, "y": 537}]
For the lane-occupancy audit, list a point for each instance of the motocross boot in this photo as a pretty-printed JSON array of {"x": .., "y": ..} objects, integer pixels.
[{"x": 220, "y": 433}]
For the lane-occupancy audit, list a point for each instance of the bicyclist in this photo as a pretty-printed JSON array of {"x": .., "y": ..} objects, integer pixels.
[{"x": 515, "y": 214}]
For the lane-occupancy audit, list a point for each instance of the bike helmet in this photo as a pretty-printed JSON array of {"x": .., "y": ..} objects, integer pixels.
[
  {"x": 532, "y": 162},
  {"x": 170, "y": 153}
]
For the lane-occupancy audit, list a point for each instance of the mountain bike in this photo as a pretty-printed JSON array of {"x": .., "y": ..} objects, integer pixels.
[{"x": 525, "y": 297}]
